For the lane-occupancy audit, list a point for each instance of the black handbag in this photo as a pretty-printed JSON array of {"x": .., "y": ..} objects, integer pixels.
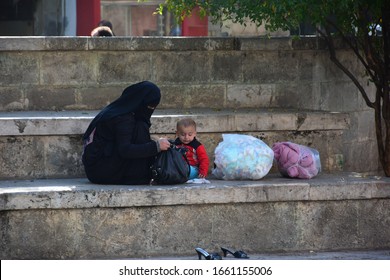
[{"x": 170, "y": 167}]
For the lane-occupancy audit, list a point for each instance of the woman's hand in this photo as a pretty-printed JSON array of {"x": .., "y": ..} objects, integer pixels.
[{"x": 164, "y": 144}]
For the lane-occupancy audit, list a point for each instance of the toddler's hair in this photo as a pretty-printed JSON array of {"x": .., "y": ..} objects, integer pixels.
[{"x": 186, "y": 122}]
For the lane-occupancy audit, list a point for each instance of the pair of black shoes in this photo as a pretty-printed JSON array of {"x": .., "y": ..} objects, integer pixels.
[{"x": 215, "y": 256}]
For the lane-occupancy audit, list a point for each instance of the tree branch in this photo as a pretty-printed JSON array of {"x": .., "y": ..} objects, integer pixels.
[
  {"x": 386, "y": 56},
  {"x": 329, "y": 41},
  {"x": 378, "y": 130},
  {"x": 355, "y": 48}
]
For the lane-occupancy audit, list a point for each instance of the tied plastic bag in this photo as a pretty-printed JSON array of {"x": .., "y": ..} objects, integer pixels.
[
  {"x": 170, "y": 167},
  {"x": 296, "y": 161},
  {"x": 242, "y": 157}
]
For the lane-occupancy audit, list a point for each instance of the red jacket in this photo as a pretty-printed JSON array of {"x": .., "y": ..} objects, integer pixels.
[{"x": 196, "y": 155}]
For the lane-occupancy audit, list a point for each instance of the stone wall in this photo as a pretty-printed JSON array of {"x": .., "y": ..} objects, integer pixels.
[
  {"x": 74, "y": 219},
  {"x": 83, "y": 73}
]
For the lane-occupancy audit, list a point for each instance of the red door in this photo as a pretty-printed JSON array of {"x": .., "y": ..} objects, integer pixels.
[
  {"x": 194, "y": 25},
  {"x": 88, "y": 16}
]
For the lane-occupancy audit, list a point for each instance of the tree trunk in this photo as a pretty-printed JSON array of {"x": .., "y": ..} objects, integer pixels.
[
  {"x": 381, "y": 144},
  {"x": 382, "y": 121},
  {"x": 385, "y": 79},
  {"x": 378, "y": 71},
  {"x": 386, "y": 156}
]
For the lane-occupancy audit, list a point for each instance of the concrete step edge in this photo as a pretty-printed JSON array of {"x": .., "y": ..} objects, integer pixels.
[
  {"x": 80, "y": 193},
  {"x": 164, "y": 121}
]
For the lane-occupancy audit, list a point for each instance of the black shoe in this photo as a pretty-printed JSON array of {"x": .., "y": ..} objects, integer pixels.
[
  {"x": 207, "y": 256},
  {"x": 236, "y": 254}
]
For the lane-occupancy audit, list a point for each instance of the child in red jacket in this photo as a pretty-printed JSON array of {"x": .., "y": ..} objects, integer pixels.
[{"x": 196, "y": 152}]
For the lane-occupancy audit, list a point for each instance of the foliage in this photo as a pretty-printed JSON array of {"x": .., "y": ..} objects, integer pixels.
[{"x": 363, "y": 25}]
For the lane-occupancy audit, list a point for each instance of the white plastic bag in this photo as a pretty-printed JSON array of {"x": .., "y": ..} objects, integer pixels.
[{"x": 242, "y": 157}]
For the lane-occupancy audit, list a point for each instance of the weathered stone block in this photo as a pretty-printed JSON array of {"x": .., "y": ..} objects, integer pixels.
[
  {"x": 250, "y": 95},
  {"x": 252, "y": 43},
  {"x": 290, "y": 95},
  {"x": 54, "y": 73},
  {"x": 42, "y": 99},
  {"x": 270, "y": 67},
  {"x": 18, "y": 68},
  {"x": 60, "y": 43},
  {"x": 361, "y": 149},
  {"x": 343, "y": 97},
  {"x": 98, "y": 97},
  {"x": 226, "y": 67},
  {"x": 332, "y": 72},
  {"x": 281, "y": 218},
  {"x": 40, "y": 157},
  {"x": 182, "y": 67},
  {"x": 124, "y": 67},
  {"x": 12, "y": 99},
  {"x": 68, "y": 68},
  {"x": 192, "y": 96},
  {"x": 211, "y": 96},
  {"x": 307, "y": 70}
]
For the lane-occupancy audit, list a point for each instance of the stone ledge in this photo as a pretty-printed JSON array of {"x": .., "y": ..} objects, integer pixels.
[
  {"x": 73, "y": 219},
  {"x": 164, "y": 121},
  {"x": 85, "y": 43},
  {"x": 80, "y": 193}
]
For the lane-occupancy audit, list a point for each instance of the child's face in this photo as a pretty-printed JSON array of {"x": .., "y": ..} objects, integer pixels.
[{"x": 186, "y": 134}]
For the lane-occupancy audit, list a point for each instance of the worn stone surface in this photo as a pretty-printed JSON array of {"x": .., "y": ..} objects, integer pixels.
[
  {"x": 164, "y": 121},
  {"x": 19, "y": 68},
  {"x": 74, "y": 219},
  {"x": 32, "y": 157},
  {"x": 84, "y": 73},
  {"x": 80, "y": 193},
  {"x": 185, "y": 67},
  {"x": 276, "y": 90},
  {"x": 48, "y": 144}
]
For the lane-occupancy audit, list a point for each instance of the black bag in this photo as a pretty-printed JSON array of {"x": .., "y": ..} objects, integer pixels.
[{"x": 171, "y": 167}]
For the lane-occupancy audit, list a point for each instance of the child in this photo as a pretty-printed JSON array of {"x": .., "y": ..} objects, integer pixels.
[
  {"x": 104, "y": 29},
  {"x": 196, "y": 152}
]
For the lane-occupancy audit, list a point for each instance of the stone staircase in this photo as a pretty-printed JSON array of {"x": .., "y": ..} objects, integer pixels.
[
  {"x": 48, "y": 209},
  {"x": 73, "y": 219},
  {"x": 47, "y": 144}
]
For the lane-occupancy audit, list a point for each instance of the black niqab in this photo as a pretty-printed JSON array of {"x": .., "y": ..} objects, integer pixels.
[{"x": 134, "y": 99}]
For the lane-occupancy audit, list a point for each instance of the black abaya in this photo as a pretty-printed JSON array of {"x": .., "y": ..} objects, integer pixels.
[{"x": 122, "y": 151}]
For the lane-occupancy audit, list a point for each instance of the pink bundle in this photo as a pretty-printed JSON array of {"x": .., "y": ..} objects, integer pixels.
[{"x": 296, "y": 161}]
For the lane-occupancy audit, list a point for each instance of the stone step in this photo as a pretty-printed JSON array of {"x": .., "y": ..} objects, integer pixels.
[
  {"x": 47, "y": 144},
  {"x": 64, "y": 73},
  {"x": 232, "y": 73},
  {"x": 164, "y": 121},
  {"x": 198, "y": 95},
  {"x": 74, "y": 219}
]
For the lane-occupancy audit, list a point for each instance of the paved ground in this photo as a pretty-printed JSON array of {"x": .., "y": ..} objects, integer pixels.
[
  {"x": 340, "y": 255},
  {"x": 344, "y": 255}
]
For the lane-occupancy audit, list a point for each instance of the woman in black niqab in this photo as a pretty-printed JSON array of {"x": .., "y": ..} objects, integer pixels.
[{"x": 118, "y": 148}]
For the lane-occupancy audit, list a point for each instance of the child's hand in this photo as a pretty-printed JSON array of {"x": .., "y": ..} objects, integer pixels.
[{"x": 201, "y": 176}]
